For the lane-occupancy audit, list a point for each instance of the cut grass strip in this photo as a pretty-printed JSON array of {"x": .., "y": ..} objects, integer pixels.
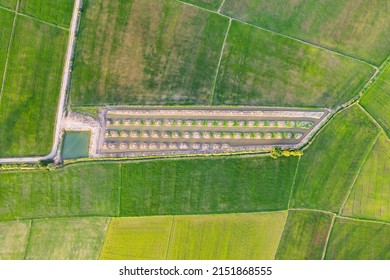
[
  {"x": 304, "y": 235},
  {"x": 66, "y": 239},
  {"x": 331, "y": 162},
  {"x": 6, "y": 22},
  {"x": 212, "y": 5}
]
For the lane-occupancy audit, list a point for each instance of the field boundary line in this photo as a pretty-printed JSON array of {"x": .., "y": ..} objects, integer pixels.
[
  {"x": 372, "y": 119},
  {"x": 118, "y": 210},
  {"x": 358, "y": 172},
  {"x": 364, "y": 220},
  {"x": 173, "y": 224},
  {"x": 11, "y": 37},
  {"x": 104, "y": 238},
  {"x": 219, "y": 63},
  {"x": 293, "y": 184},
  {"x": 328, "y": 237},
  {"x": 42, "y": 21},
  {"x": 28, "y": 240},
  {"x": 312, "y": 210},
  {"x": 220, "y": 7},
  {"x": 286, "y": 36}
]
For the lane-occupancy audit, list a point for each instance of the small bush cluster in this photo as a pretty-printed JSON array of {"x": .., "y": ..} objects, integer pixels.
[{"x": 277, "y": 152}]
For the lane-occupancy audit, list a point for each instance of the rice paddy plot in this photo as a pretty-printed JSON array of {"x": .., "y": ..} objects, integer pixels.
[
  {"x": 58, "y": 12},
  {"x": 377, "y": 100},
  {"x": 31, "y": 91},
  {"x": 207, "y": 4},
  {"x": 146, "y": 52},
  {"x": 76, "y": 144},
  {"x": 329, "y": 165},
  {"x": 13, "y": 239},
  {"x": 265, "y": 69},
  {"x": 10, "y": 4},
  {"x": 6, "y": 21},
  {"x": 140, "y": 238},
  {"x": 78, "y": 190},
  {"x": 304, "y": 235},
  {"x": 358, "y": 240},
  {"x": 66, "y": 239},
  {"x": 226, "y": 237},
  {"x": 211, "y": 185},
  {"x": 359, "y": 28},
  {"x": 370, "y": 196}
]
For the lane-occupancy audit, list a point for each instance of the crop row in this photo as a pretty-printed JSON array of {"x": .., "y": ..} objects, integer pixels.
[
  {"x": 209, "y": 123},
  {"x": 202, "y": 134},
  {"x": 163, "y": 146}
]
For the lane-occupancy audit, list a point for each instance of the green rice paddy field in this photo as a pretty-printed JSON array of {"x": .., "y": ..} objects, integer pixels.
[
  {"x": 377, "y": 100},
  {"x": 359, "y": 28},
  {"x": 370, "y": 196},
  {"x": 331, "y": 203},
  {"x": 304, "y": 235},
  {"x": 31, "y": 85}
]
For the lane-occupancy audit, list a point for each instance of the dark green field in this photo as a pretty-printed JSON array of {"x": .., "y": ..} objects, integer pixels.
[
  {"x": 11, "y": 4},
  {"x": 207, "y": 4},
  {"x": 82, "y": 190},
  {"x": 261, "y": 68},
  {"x": 359, "y": 28},
  {"x": 370, "y": 197},
  {"x": 358, "y": 240},
  {"x": 377, "y": 100},
  {"x": 31, "y": 91},
  {"x": 146, "y": 52},
  {"x": 6, "y": 19},
  {"x": 304, "y": 236},
  {"x": 206, "y": 186},
  {"x": 58, "y": 12},
  {"x": 330, "y": 164}
]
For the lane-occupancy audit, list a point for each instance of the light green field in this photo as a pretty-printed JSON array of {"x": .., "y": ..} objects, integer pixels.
[
  {"x": 330, "y": 164},
  {"x": 11, "y": 4},
  {"x": 79, "y": 190},
  {"x": 54, "y": 11},
  {"x": 6, "y": 20},
  {"x": 207, "y": 4},
  {"x": 358, "y": 240},
  {"x": 144, "y": 238},
  {"x": 32, "y": 87},
  {"x": 261, "y": 68},
  {"x": 304, "y": 236},
  {"x": 232, "y": 236},
  {"x": 146, "y": 52},
  {"x": 377, "y": 100},
  {"x": 66, "y": 239},
  {"x": 211, "y": 185},
  {"x": 370, "y": 197},
  {"x": 13, "y": 239},
  {"x": 236, "y": 236},
  {"x": 359, "y": 28}
]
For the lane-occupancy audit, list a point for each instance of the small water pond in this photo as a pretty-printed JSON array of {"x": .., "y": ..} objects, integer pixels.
[{"x": 76, "y": 144}]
